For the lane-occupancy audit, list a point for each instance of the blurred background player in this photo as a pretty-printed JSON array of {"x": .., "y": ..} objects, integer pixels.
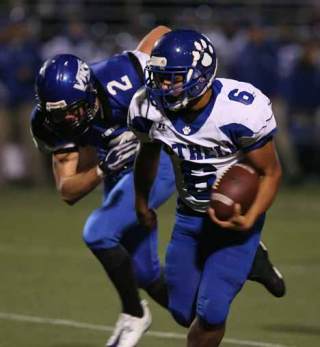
[
  {"x": 19, "y": 62},
  {"x": 81, "y": 119},
  {"x": 206, "y": 124}
]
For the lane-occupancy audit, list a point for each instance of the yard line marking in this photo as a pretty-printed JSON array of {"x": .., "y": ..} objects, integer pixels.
[{"x": 159, "y": 334}]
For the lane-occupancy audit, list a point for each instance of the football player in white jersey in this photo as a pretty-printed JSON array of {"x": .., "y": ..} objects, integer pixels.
[{"x": 206, "y": 124}]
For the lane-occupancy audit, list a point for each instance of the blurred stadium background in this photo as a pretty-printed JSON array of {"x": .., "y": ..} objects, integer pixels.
[{"x": 52, "y": 291}]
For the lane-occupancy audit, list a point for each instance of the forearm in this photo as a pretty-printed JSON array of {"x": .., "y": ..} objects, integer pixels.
[
  {"x": 266, "y": 161},
  {"x": 268, "y": 188},
  {"x": 73, "y": 188},
  {"x": 146, "y": 44},
  {"x": 145, "y": 171}
]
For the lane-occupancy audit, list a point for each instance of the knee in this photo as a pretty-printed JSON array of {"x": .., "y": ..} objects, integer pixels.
[
  {"x": 145, "y": 259},
  {"x": 146, "y": 275},
  {"x": 89, "y": 237},
  {"x": 181, "y": 316},
  {"x": 201, "y": 332},
  {"x": 214, "y": 312},
  {"x": 95, "y": 233},
  {"x": 146, "y": 268}
]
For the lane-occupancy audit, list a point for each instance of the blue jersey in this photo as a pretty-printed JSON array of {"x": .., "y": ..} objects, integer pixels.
[{"x": 117, "y": 79}]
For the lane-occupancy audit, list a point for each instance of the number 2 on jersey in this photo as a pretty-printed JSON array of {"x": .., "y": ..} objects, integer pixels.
[{"x": 124, "y": 85}]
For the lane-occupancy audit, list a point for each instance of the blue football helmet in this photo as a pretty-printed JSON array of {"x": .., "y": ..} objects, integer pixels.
[
  {"x": 66, "y": 93},
  {"x": 182, "y": 67}
]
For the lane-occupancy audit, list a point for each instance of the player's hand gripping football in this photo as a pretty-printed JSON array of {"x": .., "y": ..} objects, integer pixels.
[
  {"x": 147, "y": 218},
  {"x": 237, "y": 221}
]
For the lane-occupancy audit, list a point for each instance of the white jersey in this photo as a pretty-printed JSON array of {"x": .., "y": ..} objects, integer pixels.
[{"x": 237, "y": 119}]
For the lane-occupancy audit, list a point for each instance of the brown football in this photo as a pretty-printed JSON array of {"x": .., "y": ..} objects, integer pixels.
[{"x": 239, "y": 184}]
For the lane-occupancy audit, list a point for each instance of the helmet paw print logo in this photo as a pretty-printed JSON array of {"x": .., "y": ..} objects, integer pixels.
[{"x": 203, "y": 52}]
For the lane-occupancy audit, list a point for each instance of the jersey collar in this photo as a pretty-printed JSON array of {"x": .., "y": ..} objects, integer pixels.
[{"x": 189, "y": 128}]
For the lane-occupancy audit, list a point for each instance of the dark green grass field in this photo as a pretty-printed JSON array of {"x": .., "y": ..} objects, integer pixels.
[{"x": 54, "y": 294}]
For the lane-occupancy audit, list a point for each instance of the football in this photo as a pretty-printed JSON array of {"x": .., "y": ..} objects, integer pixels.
[{"x": 239, "y": 184}]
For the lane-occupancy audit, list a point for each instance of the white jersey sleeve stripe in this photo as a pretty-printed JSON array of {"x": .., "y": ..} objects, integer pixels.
[{"x": 261, "y": 142}]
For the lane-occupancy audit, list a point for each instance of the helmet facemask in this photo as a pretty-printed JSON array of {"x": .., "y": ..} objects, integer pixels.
[
  {"x": 71, "y": 121},
  {"x": 184, "y": 85}
]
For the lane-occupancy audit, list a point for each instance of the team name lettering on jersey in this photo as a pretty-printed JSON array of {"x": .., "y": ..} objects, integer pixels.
[{"x": 196, "y": 152}]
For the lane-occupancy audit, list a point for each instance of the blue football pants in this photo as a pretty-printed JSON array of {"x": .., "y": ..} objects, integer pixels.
[
  {"x": 115, "y": 222},
  {"x": 206, "y": 267}
]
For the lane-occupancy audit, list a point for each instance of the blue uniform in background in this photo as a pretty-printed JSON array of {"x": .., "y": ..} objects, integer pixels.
[{"x": 115, "y": 221}]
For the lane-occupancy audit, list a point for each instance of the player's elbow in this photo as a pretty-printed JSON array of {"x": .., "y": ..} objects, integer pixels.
[
  {"x": 66, "y": 195},
  {"x": 69, "y": 202},
  {"x": 68, "y": 199}
]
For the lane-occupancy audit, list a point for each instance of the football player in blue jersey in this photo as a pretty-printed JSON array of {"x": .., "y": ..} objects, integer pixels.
[
  {"x": 81, "y": 119},
  {"x": 206, "y": 124}
]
